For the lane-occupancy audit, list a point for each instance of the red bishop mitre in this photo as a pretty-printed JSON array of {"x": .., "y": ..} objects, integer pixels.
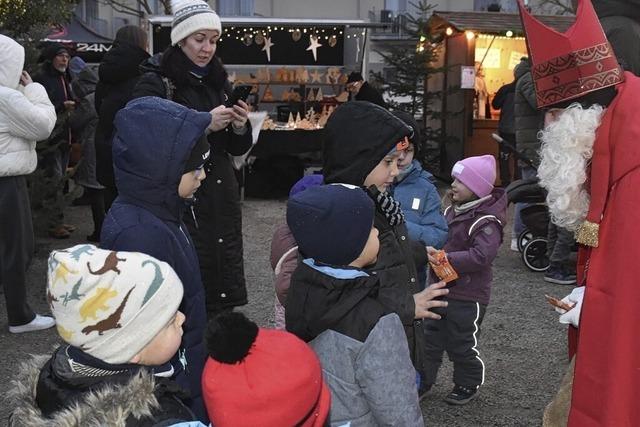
[{"x": 570, "y": 64}]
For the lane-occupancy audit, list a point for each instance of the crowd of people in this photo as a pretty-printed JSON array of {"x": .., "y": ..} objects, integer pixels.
[{"x": 362, "y": 314}]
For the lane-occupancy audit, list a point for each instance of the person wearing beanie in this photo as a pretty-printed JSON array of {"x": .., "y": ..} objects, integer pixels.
[
  {"x": 118, "y": 74},
  {"x": 284, "y": 253},
  {"x": 55, "y": 76},
  {"x": 360, "y": 90},
  {"x": 261, "y": 377},
  {"x": 335, "y": 305},
  {"x": 189, "y": 73},
  {"x": 155, "y": 189},
  {"x": 117, "y": 315},
  {"x": 363, "y": 143},
  {"x": 476, "y": 220},
  {"x": 26, "y": 116},
  {"x": 418, "y": 197}
]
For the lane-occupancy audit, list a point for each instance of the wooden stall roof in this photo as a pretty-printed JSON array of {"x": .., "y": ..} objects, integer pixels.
[{"x": 494, "y": 22}]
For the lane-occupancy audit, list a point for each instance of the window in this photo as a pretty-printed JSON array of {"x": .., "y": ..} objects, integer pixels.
[{"x": 235, "y": 7}]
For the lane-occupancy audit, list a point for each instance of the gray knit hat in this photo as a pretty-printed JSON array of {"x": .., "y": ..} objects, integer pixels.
[{"x": 190, "y": 16}]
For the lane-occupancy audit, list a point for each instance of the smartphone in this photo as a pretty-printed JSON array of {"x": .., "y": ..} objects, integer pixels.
[{"x": 240, "y": 92}]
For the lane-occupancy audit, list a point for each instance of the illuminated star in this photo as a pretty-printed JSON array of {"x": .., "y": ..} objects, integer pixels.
[
  {"x": 314, "y": 47},
  {"x": 316, "y": 76},
  {"x": 267, "y": 47}
]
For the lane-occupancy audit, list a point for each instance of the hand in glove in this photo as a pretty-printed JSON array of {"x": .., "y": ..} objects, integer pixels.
[{"x": 572, "y": 317}]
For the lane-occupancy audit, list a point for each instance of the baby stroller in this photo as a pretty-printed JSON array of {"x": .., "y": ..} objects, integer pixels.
[{"x": 532, "y": 241}]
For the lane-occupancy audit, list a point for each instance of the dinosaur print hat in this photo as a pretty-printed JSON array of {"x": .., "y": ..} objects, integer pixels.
[{"x": 110, "y": 304}]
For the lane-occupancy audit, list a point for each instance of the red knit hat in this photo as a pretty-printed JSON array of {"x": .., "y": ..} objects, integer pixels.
[
  {"x": 568, "y": 65},
  {"x": 261, "y": 377}
]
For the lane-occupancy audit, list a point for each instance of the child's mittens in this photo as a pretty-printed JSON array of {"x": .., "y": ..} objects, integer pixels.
[{"x": 572, "y": 317}]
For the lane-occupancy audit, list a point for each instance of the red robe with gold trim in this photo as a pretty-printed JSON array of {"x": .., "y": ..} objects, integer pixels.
[{"x": 606, "y": 387}]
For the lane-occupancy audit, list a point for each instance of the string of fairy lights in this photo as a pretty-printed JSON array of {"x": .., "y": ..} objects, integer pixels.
[{"x": 258, "y": 34}]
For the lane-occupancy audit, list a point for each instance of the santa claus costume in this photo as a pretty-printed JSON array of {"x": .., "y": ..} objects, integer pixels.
[{"x": 579, "y": 65}]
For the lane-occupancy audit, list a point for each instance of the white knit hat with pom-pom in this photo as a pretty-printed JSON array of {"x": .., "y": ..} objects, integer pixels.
[{"x": 190, "y": 16}]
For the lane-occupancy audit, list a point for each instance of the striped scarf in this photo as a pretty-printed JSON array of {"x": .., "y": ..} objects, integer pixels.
[{"x": 387, "y": 205}]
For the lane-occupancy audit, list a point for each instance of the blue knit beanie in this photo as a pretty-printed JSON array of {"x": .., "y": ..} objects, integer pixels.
[
  {"x": 331, "y": 223},
  {"x": 306, "y": 182}
]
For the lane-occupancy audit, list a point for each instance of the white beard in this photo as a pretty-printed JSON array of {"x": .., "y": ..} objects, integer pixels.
[{"x": 567, "y": 148}]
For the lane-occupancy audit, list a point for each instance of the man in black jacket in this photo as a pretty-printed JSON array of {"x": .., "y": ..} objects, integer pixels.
[
  {"x": 363, "y": 91},
  {"x": 54, "y": 76}
]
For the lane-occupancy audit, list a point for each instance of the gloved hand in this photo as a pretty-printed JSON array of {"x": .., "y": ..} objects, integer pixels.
[{"x": 572, "y": 317}]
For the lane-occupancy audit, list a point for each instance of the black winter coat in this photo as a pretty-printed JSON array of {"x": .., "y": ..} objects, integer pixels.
[
  {"x": 529, "y": 120},
  {"x": 355, "y": 143},
  {"x": 505, "y": 102},
  {"x": 56, "y": 83},
  {"x": 65, "y": 391},
  {"x": 217, "y": 229},
  {"x": 58, "y": 88},
  {"x": 119, "y": 73},
  {"x": 317, "y": 302}
]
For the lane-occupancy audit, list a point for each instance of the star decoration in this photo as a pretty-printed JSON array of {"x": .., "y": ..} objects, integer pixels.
[
  {"x": 267, "y": 47},
  {"x": 316, "y": 76},
  {"x": 314, "y": 47}
]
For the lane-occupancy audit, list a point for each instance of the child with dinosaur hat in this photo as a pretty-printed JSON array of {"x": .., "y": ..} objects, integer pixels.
[{"x": 117, "y": 313}]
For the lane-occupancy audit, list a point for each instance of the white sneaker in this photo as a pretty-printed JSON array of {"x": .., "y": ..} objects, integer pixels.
[
  {"x": 37, "y": 324},
  {"x": 514, "y": 245}
]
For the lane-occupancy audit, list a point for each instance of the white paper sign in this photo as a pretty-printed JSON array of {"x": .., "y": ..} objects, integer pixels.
[
  {"x": 468, "y": 77},
  {"x": 514, "y": 59},
  {"x": 492, "y": 58}
]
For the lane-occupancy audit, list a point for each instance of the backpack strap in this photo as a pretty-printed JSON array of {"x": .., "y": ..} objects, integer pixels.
[{"x": 482, "y": 218}]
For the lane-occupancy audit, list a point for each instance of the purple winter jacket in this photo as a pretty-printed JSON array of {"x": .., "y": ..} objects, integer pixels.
[{"x": 472, "y": 245}]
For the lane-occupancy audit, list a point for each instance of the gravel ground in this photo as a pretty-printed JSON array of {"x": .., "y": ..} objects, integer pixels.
[{"x": 522, "y": 344}]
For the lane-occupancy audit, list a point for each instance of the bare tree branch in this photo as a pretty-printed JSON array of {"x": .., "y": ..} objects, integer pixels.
[
  {"x": 561, "y": 7},
  {"x": 144, "y": 8},
  {"x": 121, "y": 6},
  {"x": 167, "y": 6}
]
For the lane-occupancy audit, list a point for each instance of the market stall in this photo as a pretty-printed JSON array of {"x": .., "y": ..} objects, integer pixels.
[
  {"x": 480, "y": 52},
  {"x": 298, "y": 71}
]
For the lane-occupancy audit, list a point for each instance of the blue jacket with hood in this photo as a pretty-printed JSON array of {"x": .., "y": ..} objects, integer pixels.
[
  {"x": 153, "y": 140},
  {"x": 421, "y": 204}
]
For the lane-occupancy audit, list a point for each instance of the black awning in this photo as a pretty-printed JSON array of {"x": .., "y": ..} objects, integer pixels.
[{"x": 81, "y": 39}]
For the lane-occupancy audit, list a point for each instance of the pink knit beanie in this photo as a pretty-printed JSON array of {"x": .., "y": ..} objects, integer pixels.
[{"x": 477, "y": 173}]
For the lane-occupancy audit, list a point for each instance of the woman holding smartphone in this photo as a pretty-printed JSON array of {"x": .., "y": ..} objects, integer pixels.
[{"x": 189, "y": 73}]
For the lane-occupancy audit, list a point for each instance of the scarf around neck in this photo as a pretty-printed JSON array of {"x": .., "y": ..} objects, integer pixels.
[{"x": 387, "y": 205}]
